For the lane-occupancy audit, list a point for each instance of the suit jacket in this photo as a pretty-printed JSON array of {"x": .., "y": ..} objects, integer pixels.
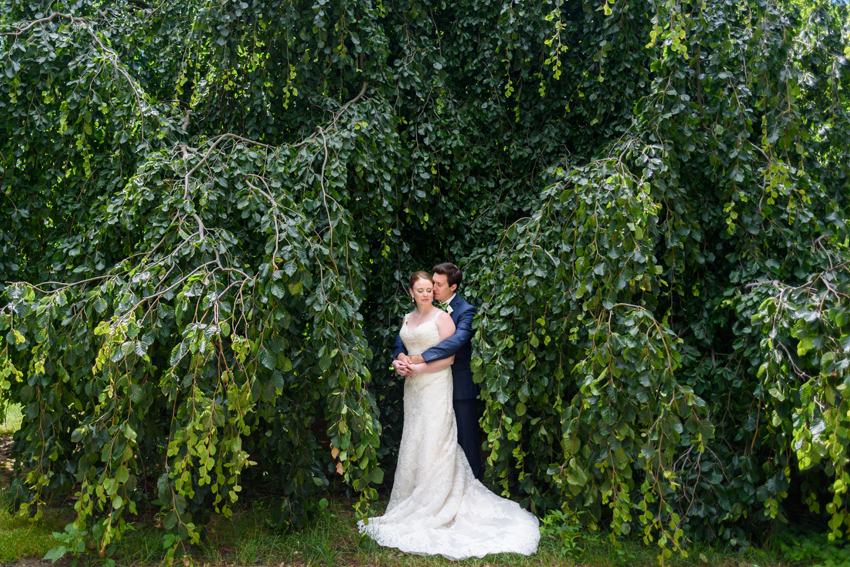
[{"x": 459, "y": 345}]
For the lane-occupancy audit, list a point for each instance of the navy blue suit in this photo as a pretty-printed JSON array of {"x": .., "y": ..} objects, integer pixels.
[{"x": 465, "y": 390}]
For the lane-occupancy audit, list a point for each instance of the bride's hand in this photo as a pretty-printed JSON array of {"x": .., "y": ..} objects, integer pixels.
[
  {"x": 401, "y": 367},
  {"x": 417, "y": 369}
]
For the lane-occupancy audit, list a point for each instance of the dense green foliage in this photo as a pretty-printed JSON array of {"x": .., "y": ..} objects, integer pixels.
[{"x": 210, "y": 210}]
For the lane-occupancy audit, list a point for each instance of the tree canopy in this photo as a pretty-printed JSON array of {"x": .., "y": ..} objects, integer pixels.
[{"x": 210, "y": 210}]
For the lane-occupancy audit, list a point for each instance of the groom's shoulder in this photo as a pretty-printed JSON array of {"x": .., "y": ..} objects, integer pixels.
[{"x": 465, "y": 305}]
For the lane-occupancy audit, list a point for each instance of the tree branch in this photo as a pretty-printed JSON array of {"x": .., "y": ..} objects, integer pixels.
[{"x": 49, "y": 18}]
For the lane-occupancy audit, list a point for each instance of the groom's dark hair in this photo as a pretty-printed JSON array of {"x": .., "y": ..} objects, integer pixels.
[{"x": 453, "y": 275}]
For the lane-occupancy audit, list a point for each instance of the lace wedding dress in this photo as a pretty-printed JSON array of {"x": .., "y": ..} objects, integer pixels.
[{"x": 437, "y": 507}]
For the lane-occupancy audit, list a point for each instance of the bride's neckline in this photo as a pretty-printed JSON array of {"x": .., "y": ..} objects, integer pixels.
[{"x": 431, "y": 320}]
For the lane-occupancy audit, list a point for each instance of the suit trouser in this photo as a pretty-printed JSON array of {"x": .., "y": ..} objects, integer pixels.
[{"x": 466, "y": 416}]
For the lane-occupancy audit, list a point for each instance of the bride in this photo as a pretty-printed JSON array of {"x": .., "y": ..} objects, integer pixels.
[{"x": 437, "y": 507}]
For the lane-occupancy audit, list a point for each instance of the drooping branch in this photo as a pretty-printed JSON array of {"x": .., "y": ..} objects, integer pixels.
[{"x": 50, "y": 18}]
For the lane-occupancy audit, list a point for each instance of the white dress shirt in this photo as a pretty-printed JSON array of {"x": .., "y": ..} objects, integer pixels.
[{"x": 447, "y": 303}]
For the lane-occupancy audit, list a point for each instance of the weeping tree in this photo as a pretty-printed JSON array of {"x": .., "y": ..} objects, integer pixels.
[{"x": 210, "y": 210}]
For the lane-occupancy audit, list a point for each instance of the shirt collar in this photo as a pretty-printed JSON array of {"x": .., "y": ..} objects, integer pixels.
[{"x": 450, "y": 300}]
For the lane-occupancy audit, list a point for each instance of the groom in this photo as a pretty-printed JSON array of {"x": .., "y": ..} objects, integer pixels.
[{"x": 447, "y": 277}]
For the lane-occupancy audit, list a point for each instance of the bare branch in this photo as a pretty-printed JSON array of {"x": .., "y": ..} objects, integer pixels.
[
  {"x": 217, "y": 141},
  {"x": 49, "y": 18},
  {"x": 774, "y": 283}
]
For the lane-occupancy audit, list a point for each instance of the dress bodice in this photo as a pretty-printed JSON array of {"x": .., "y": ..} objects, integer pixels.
[{"x": 421, "y": 338}]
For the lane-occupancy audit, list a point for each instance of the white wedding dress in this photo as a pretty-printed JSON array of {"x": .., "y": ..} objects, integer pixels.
[{"x": 437, "y": 507}]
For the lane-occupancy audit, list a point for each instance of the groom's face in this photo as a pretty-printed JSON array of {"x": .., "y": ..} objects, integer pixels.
[{"x": 442, "y": 291}]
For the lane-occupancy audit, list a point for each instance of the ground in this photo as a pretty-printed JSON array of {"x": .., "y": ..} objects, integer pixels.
[{"x": 333, "y": 540}]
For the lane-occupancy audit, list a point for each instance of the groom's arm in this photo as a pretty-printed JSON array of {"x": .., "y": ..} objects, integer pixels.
[
  {"x": 399, "y": 347},
  {"x": 448, "y": 347}
]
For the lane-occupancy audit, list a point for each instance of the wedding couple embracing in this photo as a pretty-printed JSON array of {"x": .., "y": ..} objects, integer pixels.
[{"x": 438, "y": 505}]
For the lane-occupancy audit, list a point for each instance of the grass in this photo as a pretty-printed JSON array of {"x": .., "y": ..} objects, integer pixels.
[
  {"x": 12, "y": 421},
  {"x": 19, "y": 537},
  {"x": 333, "y": 539}
]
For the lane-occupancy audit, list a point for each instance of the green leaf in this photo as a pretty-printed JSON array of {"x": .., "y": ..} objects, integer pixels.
[
  {"x": 283, "y": 363},
  {"x": 129, "y": 432},
  {"x": 266, "y": 358},
  {"x": 376, "y": 476},
  {"x": 295, "y": 287},
  {"x": 277, "y": 291},
  {"x": 136, "y": 393},
  {"x": 56, "y": 554}
]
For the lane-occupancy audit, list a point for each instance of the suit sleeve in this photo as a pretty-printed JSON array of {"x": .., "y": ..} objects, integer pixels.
[
  {"x": 399, "y": 347},
  {"x": 462, "y": 336}
]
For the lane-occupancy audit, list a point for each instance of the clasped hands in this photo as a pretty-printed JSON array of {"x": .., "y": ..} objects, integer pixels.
[{"x": 409, "y": 365}]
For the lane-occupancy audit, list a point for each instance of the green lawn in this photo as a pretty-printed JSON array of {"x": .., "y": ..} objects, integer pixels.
[
  {"x": 20, "y": 538},
  {"x": 333, "y": 539},
  {"x": 12, "y": 421}
]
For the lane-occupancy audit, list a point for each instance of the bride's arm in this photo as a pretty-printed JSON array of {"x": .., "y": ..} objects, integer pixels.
[
  {"x": 400, "y": 361},
  {"x": 446, "y": 328}
]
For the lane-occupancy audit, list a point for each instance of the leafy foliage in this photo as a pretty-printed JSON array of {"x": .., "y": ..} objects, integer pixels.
[
  {"x": 212, "y": 209},
  {"x": 816, "y": 551}
]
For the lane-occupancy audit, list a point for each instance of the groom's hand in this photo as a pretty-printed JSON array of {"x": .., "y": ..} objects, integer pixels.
[{"x": 416, "y": 359}]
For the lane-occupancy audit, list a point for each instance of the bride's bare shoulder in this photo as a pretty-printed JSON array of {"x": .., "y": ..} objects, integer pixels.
[{"x": 445, "y": 319}]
